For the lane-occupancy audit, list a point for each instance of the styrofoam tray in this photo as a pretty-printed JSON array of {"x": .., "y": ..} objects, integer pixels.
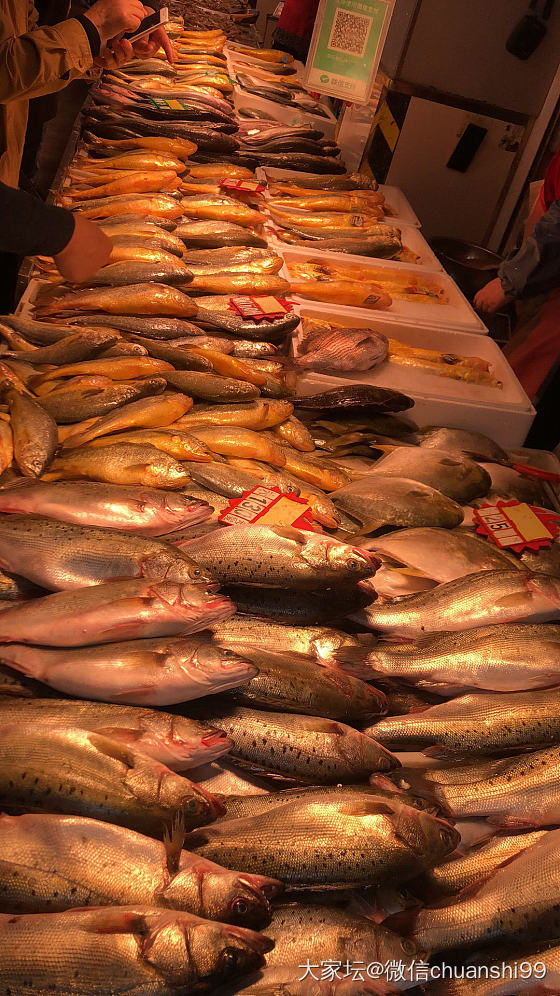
[
  {"x": 504, "y": 414},
  {"x": 456, "y": 313},
  {"x": 283, "y": 113},
  {"x": 411, "y": 237},
  {"x": 402, "y": 213}
]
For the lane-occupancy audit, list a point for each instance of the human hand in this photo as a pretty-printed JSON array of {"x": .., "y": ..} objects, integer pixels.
[
  {"x": 491, "y": 298},
  {"x": 145, "y": 48},
  {"x": 113, "y": 17},
  {"x": 88, "y": 250},
  {"x": 148, "y": 46},
  {"x": 115, "y": 55}
]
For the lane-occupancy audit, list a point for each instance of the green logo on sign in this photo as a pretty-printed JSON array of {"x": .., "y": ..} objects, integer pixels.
[{"x": 324, "y": 78}]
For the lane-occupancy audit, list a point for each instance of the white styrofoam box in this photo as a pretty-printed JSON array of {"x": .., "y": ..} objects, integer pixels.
[
  {"x": 285, "y": 113},
  {"x": 401, "y": 211},
  {"x": 504, "y": 414},
  {"x": 411, "y": 238},
  {"x": 456, "y": 313}
]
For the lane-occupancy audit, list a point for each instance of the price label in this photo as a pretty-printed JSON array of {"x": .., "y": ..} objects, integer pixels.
[
  {"x": 245, "y": 186},
  {"x": 268, "y": 507},
  {"x": 258, "y": 308},
  {"x": 516, "y": 526}
]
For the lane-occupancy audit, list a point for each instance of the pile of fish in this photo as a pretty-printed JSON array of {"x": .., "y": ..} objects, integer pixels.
[{"x": 252, "y": 758}]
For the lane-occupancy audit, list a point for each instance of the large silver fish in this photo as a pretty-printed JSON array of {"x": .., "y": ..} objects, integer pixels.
[
  {"x": 442, "y": 554},
  {"x": 331, "y": 844},
  {"x": 307, "y": 748},
  {"x": 377, "y": 502},
  {"x": 66, "y": 770},
  {"x": 136, "y": 509},
  {"x": 490, "y": 597},
  {"x": 116, "y": 609},
  {"x": 507, "y": 658},
  {"x": 62, "y": 555},
  {"x": 73, "y": 861},
  {"x": 175, "y": 741},
  {"x": 476, "y": 724},
  {"x": 122, "y": 950},
  {"x": 520, "y": 792},
  {"x": 517, "y": 903},
  {"x": 279, "y": 555},
  {"x": 455, "y": 476},
  {"x": 139, "y": 672}
]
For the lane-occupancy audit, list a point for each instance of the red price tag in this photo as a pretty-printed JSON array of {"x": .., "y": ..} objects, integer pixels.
[
  {"x": 259, "y": 308},
  {"x": 268, "y": 507},
  {"x": 245, "y": 186},
  {"x": 516, "y": 526}
]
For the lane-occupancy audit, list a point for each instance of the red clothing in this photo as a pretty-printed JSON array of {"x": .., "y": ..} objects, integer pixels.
[
  {"x": 535, "y": 357},
  {"x": 298, "y": 18},
  {"x": 551, "y": 186}
]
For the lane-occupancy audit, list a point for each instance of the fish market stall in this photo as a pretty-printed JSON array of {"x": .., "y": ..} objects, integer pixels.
[{"x": 271, "y": 690}]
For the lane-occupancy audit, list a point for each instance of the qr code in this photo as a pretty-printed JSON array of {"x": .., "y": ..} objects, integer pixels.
[{"x": 349, "y": 32}]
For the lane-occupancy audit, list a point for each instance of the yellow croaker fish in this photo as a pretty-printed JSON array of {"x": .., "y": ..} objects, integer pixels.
[
  {"x": 133, "y": 160},
  {"x": 134, "y": 183},
  {"x": 331, "y": 202},
  {"x": 230, "y": 366},
  {"x": 147, "y": 413},
  {"x": 179, "y": 445},
  {"x": 140, "y": 253},
  {"x": 136, "y": 299},
  {"x": 404, "y": 286},
  {"x": 120, "y": 463},
  {"x": 6, "y": 443},
  {"x": 319, "y": 473},
  {"x": 296, "y": 434},
  {"x": 155, "y": 205},
  {"x": 181, "y": 148},
  {"x": 221, "y": 171},
  {"x": 121, "y": 368},
  {"x": 233, "y": 441},
  {"x": 286, "y": 190},
  {"x": 241, "y": 282},
  {"x": 221, "y": 209},
  {"x": 263, "y": 413},
  {"x": 348, "y": 292},
  {"x": 470, "y": 369},
  {"x": 326, "y": 220}
]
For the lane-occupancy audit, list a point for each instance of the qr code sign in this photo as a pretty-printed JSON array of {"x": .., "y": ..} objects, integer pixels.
[{"x": 349, "y": 32}]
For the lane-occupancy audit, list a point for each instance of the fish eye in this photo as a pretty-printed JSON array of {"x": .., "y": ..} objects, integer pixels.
[
  {"x": 192, "y": 806},
  {"x": 197, "y": 573},
  {"x": 227, "y": 653},
  {"x": 409, "y": 947},
  {"x": 231, "y": 957},
  {"x": 353, "y": 564},
  {"x": 240, "y": 906}
]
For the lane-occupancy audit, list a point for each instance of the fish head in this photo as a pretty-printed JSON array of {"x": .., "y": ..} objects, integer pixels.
[
  {"x": 191, "y": 953},
  {"x": 219, "y": 668},
  {"x": 430, "y": 837},
  {"x": 194, "y": 602},
  {"x": 176, "y": 507},
  {"x": 231, "y": 897},
  {"x": 340, "y": 559},
  {"x": 170, "y": 564}
]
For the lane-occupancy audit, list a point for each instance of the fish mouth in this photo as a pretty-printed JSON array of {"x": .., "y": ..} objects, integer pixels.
[
  {"x": 270, "y": 887},
  {"x": 258, "y": 943},
  {"x": 217, "y": 739}
]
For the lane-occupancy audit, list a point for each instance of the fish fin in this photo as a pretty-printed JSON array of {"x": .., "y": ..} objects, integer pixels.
[
  {"x": 360, "y": 906},
  {"x": 383, "y": 783},
  {"x": 367, "y": 807},
  {"x": 420, "y": 708},
  {"x": 506, "y": 822},
  {"x": 353, "y": 655},
  {"x": 290, "y": 533},
  {"x": 173, "y": 841},
  {"x": 367, "y": 528},
  {"x": 115, "y": 921},
  {"x": 140, "y": 690},
  {"x": 120, "y": 733},
  {"x": 271, "y": 887},
  {"x": 440, "y": 751},
  {"x": 112, "y": 748}
]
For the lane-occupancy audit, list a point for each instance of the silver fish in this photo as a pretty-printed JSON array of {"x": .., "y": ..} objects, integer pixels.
[
  {"x": 139, "y": 672},
  {"x": 377, "y": 502},
  {"x": 442, "y": 554},
  {"x": 478, "y": 599},
  {"x": 62, "y": 555},
  {"x": 456, "y": 476}
]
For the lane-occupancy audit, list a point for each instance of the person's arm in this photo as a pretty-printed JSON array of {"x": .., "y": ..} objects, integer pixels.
[
  {"x": 30, "y": 227},
  {"x": 534, "y": 269},
  {"x": 43, "y": 60}
]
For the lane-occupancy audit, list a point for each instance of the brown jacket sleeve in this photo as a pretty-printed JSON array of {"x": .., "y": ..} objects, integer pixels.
[{"x": 41, "y": 61}]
